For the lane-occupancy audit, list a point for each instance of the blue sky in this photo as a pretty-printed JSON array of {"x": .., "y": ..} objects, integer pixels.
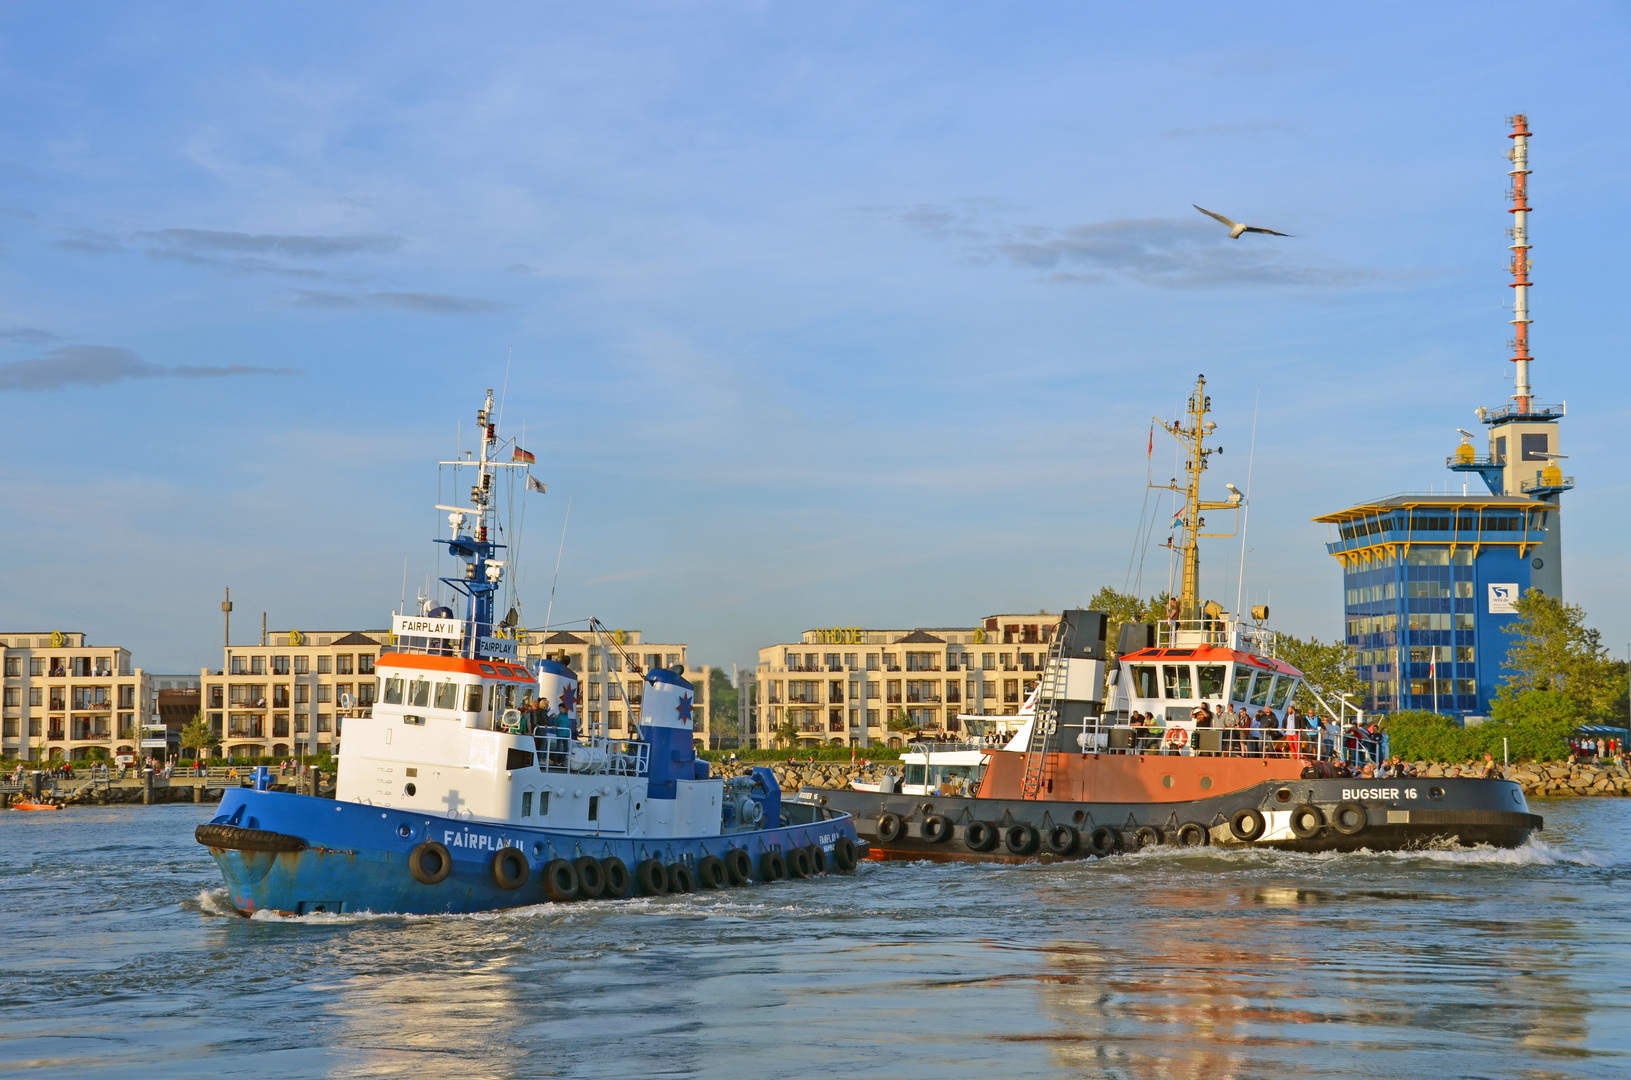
[{"x": 840, "y": 314}]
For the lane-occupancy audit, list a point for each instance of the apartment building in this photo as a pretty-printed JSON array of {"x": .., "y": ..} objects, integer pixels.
[
  {"x": 843, "y": 686},
  {"x": 611, "y": 671},
  {"x": 62, "y": 698},
  {"x": 291, "y": 695}
]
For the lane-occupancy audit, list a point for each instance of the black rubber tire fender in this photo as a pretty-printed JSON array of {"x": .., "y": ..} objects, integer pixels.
[
  {"x": 739, "y": 864},
  {"x": 890, "y": 827},
  {"x": 651, "y": 878},
  {"x": 440, "y": 858},
  {"x": 711, "y": 872},
  {"x": 772, "y": 866},
  {"x": 1192, "y": 834},
  {"x": 1306, "y": 821},
  {"x": 615, "y": 878},
  {"x": 1247, "y": 824},
  {"x": 1061, "y": 840},
  {"x": 1146, "y": 836},
  {"x": 1103, "y": 841},
  {"x": 510, "y": 868},
  {"x": 844, "y": 855},
  {"x": 937, "y": 828},
  {"x": 591, "y": 877},
  {"x": 1020, "y": 838},
  {"x": 560, "y": 881},
  {"x": 798, "y": 863},
  {"x": 680, "y": 878},
  {"x": 980, "y": 836},
  {"x": 1349, "y": 819},
  {"x": 231, "y": 836},
  {"x": 818, "y": 858}
]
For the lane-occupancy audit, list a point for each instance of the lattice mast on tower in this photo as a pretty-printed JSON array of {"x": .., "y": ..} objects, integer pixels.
[{"x": 1522, "y": 394}]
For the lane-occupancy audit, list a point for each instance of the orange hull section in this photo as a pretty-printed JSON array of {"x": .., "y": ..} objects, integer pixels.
[{"x": 1133, "y": 778}]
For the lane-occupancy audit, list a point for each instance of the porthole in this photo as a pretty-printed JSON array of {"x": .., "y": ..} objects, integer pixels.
[
  {"x": 404, "y": 830},
  {"x": 1538, "y": 563},
  {"x": 1079, "y": 816},
  {"x": 1435, "y": 793},
  {"x": 409, "y": 788},
  {"x": 1166, "y": 781},
  {"x": 1284, "y": 794},
  {"x": 1206, "y": 783},
  {"x": 537, "y": 851}
]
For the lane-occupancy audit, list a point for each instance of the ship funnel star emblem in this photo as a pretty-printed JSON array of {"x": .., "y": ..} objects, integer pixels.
[{"x": 684, "y": 708}]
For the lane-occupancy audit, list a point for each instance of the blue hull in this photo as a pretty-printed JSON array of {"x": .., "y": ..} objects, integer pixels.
[{"x": 356, "y": 858}]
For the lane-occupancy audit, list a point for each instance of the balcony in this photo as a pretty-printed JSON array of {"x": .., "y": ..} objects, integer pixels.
[
  {"x": 1546, "y": 485},
  {"x": 1515, "y": 412}
]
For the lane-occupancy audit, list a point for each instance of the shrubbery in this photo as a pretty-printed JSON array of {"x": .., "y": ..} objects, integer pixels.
[
  {"x": 820, "y": 753},
  {"x": 1535, "y": 723}
]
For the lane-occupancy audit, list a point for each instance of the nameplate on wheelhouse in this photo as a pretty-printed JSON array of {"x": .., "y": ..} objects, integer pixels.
[
  {"x": 495, "y": 648},
  {"x": 419, "y": 626}
]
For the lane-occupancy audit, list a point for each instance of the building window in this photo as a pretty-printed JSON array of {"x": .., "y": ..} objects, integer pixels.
[
  {"x": 953, "y": 691},
  {"x": 325, "y": 665},
  {"x": 325, "y": 694},
  {"x": 302, "y": 694},
  {"x": 14, "y": 667},
  {"x": 872, "y": 718},
  {"x": 324, "y": 722},
  {"x": 238, "y": 666},
  {"x": 280, "y": 696},
  {"x": 342, "y": 664},
  {"x": 365, "y": 663},
  {"x": 1008, "y": 662},
  {"x": 302, "y": 665},
  {"x": 36, "y": 666},
  {"x": 280, "y": 665},
  {"x": 988, "y": 690},
  {"x": 872, "y": 661},
  {"x": 891, "y": 661},
  {"x": 36, "y": 695},
  {"x": 614, "y": 720},
  {"x": 1010, "y": 690},
  {"x": 892, "y": 686},
  {"x": 302, "y": 722},
  {"x": 257, "y": 665},
  {"x": 850, "y": 660},
  {"x": 835, "y": 692}
]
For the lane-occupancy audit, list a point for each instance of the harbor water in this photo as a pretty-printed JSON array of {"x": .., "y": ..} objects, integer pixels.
[{"x": 121, "y": 960}]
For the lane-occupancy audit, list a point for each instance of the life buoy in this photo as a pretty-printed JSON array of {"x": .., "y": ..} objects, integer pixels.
[
  {"x": 843, "y": 854},
  {"x": 680, "y": 879},
  {"x": 1247, "y": 824},
  {"x": 1349, "y": 819},
  {"x": 798, "y": 863},
  {"x": 890, "y": 826},
  {"x": 614, "y": 878},
  {"x": 651, "y": 878},
  {"x": 560, "y": 881},
  {"x": 1146, "y": 836},
  {"x": 937, "y": 828},
  {"x": 1020, "y": 839},
  {"x": 510, "y": 868},
  {"x": 591, "y": 877},
  {"x": 772, "y": 867},
  {"x": 711, "y": 872},
  {"x": 1061, "y": 840},
  {"x": 1193, "y": 834},
  {"x": 1102, "y": 841},
  {"x": 1306, "y": 821},
  {"x": 740, "y": 866},
  {"x": 1177, "y": 737},
  {"x": 980, "y": 836},
  {"x": 430, "y": 863}
]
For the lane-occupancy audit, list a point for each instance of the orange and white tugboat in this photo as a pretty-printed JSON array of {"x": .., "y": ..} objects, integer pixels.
[{"x": 1188, "y": 737}]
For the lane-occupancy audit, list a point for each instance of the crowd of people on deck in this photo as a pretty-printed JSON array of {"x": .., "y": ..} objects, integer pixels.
[{"x": 1260, "y": 733}]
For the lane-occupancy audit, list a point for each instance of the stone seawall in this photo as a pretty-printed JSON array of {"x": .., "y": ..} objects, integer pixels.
[{"x": 1556, "y": 778}]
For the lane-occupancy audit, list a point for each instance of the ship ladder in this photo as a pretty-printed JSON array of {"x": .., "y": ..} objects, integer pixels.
[{"x": 1050, "y": 702}]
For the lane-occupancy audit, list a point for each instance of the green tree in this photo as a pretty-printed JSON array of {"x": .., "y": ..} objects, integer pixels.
[
  {"x": 198, "y": 737},
  {"x": 900, "y": 721},
  {"x": 1326, "y": 669},
  {"x": 1123, "y": 607},
  {"x": 1554, "y": 650},
  {"x": 788, "y": 733},
  {"x": 722, "y": 702}
]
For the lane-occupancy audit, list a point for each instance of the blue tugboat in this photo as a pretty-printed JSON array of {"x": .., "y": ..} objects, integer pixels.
[{"x": 470, "y": 787}]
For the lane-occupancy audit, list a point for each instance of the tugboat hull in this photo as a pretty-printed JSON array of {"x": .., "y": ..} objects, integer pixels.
[
  {"x": 296, "y": 855},
  {"x": 1290, "y": 815}
]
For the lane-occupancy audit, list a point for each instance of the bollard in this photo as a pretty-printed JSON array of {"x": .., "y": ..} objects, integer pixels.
[
  {"x": 198, "y": 792},
  {"x": 147, "y": 787},
  {"x": 39, "y": 784}
]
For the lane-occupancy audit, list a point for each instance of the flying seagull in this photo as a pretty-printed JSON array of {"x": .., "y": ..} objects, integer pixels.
[{"x": 1237, "y": 227}]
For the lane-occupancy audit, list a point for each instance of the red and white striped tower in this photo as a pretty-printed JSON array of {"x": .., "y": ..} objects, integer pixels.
[{"x": 1521, "y": 392}]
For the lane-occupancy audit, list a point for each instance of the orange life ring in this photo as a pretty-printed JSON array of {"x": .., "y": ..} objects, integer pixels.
[{"x": 1176, "y": 736}]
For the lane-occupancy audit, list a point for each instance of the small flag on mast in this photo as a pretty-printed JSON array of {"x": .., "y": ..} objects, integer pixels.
[
  {"x": 1150, "y": 453},
  {"x": 522, "y": 455},
  {"x": 535, "y": 484}
]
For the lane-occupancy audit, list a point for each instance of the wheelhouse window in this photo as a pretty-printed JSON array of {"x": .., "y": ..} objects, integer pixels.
[
  {"x": 1144, "y": 680},
  {"x": 1243, "y": 686},
  {"x": 1282, "y": 690},
  {"x": 1210, "y": 678},
  {"x": 447, "y": 695},
  {"x": 1175, "y": 681},
  {"x": 419, "y": 693},
  {"x": 472, "y": 698},
  {"x": 1261, "y": 688}
]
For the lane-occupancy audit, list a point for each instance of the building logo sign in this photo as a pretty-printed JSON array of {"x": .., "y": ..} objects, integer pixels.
[
  {"x": 839, "y": 635},
  {"x": 1503, "y": 599}
]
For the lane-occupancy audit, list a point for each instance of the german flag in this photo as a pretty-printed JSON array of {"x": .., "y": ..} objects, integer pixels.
[{"x": 522, "y": 455}]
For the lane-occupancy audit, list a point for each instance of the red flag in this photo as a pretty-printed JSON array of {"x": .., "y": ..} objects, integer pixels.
[{"x": 1150, "y": 453}]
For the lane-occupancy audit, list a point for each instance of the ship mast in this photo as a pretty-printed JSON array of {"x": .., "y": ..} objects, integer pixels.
[{"x": 1191, "y": 434}]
